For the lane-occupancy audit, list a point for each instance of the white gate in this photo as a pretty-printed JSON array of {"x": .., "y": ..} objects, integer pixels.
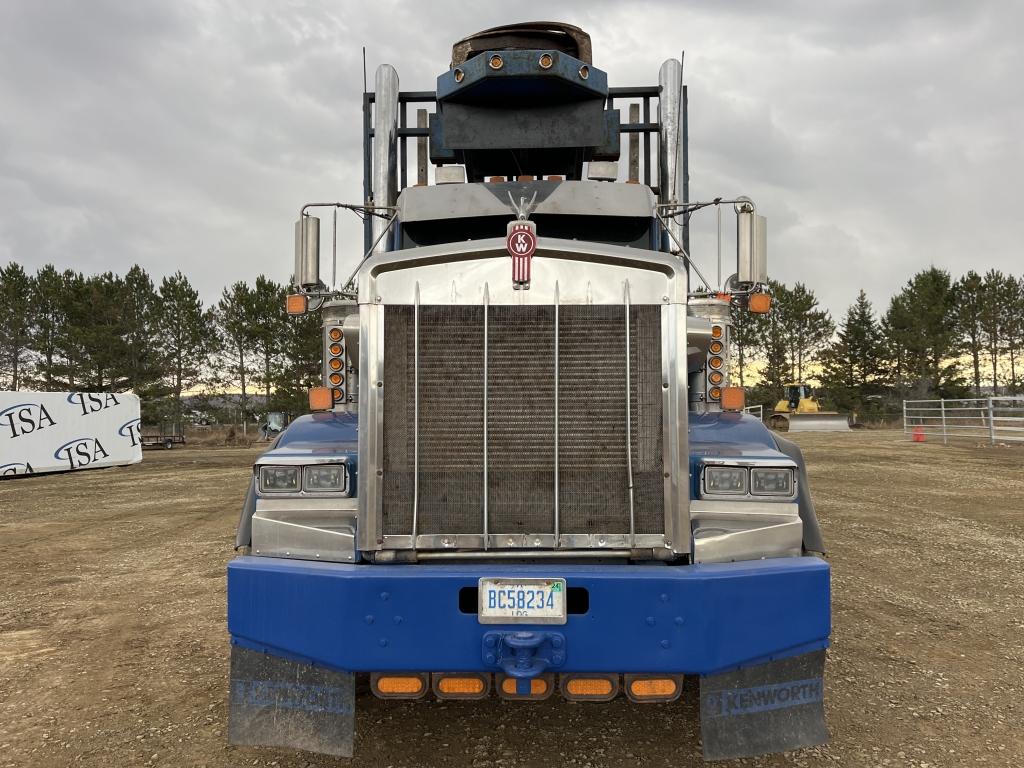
[{"x": 995, "y": 419}]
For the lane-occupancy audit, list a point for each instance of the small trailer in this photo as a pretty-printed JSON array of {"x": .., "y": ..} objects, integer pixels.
[{"x": 166, "y": 437}]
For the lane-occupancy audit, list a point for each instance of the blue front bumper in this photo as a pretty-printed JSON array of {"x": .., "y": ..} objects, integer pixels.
[{"x": 696, "y": 619}]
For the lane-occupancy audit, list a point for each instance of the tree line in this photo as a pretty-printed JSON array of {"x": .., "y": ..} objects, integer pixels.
[
  {"x": 939, "y": 337},
  {"x": 70, "y": 331}
]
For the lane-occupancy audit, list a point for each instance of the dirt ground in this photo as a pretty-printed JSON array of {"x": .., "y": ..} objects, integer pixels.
[{"x": 113, "y": 648}]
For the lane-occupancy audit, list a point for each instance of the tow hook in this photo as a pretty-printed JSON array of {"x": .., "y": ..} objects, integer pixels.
[{"x": 524, "y": 654}]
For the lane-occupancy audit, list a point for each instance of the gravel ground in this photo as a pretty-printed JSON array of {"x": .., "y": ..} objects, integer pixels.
[{"x": 113, "y": 650}]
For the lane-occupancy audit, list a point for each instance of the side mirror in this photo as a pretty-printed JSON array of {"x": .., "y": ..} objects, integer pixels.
[
  {"x": 307, "y": 252},
  {"x": 751, "y": 244}
]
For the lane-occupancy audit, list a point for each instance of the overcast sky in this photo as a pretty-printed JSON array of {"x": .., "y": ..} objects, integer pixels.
[{"x": 879, "y": 137}]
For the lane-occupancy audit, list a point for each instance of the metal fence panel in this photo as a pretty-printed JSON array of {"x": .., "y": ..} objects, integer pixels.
[{"x": 995, "y": 419}]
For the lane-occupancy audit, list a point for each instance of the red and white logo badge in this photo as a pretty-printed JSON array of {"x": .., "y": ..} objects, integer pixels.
[{"x": 521, "y": 242}]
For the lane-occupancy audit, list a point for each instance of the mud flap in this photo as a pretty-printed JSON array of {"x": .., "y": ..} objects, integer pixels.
[
  {"x": 276, "y": 702},
  {"x": 771, "y": 707}
]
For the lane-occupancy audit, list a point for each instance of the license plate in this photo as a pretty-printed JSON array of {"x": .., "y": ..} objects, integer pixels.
[{"x": 521, "y": 601}]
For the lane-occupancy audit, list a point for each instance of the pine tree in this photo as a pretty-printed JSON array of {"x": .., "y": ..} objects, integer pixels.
[
  {"x": 748, "y": 331},
  {"x": 234, "y": 315},
  {"x": 1014, "y": 326},
  {"x": 795, "y": 332},
  {"x": 921, "y": 334},
  {"x": 15, "y": 323},
  {"x": 140, "y": 367},
  {"x": 301, "y": 366},
  {"x": 852, "y": 364},
  {"x": 183, "y": 337},
  {"x": 268, "y": 325},
  {"x": 48, "y": 320},
  {"x": 968, "y": 293}
]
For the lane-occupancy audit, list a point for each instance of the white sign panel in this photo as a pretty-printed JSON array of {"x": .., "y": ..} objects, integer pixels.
[{"x": 64, "y": 431}]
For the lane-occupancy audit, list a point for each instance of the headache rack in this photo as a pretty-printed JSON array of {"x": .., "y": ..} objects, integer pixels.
[{"x": 646, "y": 163}]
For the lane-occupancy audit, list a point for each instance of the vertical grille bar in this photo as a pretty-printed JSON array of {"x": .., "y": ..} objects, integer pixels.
[
  {"x": 487, "y": 312},
  {"x": 629, "y": 423},
  {"x": 556, "y": 525},
  {"x": 416, "y": 416}
]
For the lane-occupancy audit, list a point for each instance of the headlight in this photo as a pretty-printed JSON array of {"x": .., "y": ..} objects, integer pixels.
[
  {"x": 324, "y": 477},
  {"x": 771, "y": 482},
  {"x": 731, "y": 480},
  {"x": 279, "y": 479}
]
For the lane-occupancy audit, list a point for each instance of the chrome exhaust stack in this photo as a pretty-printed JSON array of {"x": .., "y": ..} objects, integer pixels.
[
  {"x": 670, "y": 145},
  {"x": 384, "y": 180}
]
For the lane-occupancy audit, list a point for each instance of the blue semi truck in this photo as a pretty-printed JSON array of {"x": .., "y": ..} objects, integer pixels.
[{"x": 526, "y": 473}]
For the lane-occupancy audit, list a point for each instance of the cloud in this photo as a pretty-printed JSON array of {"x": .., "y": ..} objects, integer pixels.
[{"x": 879, "y": 138}]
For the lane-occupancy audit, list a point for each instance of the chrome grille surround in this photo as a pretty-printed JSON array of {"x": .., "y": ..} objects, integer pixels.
[{"x": 472, "y": 437}]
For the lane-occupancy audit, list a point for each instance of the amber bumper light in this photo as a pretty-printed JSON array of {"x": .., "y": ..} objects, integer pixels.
[
  {"x": 461, "y": 686},
  {"x": 648, "y": 688},
  {"x": 398, "y": 686},
  {"x": 582, "y": 687},
  {"x": 540, "y": 688}
]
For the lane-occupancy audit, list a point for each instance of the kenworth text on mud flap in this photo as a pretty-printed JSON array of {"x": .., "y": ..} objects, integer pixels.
[{"x": 526, "y": 473}]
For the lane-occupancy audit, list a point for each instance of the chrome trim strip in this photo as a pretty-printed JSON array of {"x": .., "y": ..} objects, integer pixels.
[
  {"x": 551, "y": 554},
  {"x": 416, "y": 414},
  {"x": 677, "y": 507},
  {"x": 347, "y": 505},
  {"x": 487, "y": 311},
  {"x": 557, "y": 519},
  {"x": 629, "y": 423},
  {"x": 525, "y": 541}
]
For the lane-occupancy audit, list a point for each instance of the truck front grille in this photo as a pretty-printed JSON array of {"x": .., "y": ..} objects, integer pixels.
[{"x": 513, "y": 411}]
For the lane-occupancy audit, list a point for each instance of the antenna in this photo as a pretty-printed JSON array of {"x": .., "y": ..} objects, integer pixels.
[{"x": 364, "y": 69}]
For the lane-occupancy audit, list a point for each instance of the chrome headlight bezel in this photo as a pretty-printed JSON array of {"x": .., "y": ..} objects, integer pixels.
[
  {"x": 748, "y": 492},
  {"x": 266, "y": 469},
  {"x": 311, "y": 469},
  {"x": 738, "y": 470},
  {"x": 790, "y": 485},
  {"x": 303, "y": 486}
]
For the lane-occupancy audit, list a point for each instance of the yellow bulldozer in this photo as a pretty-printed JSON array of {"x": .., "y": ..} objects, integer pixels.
[{"x": 799, "y": 411}]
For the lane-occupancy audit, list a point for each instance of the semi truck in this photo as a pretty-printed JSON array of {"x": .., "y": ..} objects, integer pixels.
[{"x": 526, "y": 473}]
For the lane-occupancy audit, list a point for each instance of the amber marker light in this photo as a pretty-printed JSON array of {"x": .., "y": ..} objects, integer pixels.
[
  {"x": 335, "y": 379},
  {"x": 715, "y": 362},
  {"x": 653, "y": 689},
  {"x": 320, "y": 399},
  {"x": 760, "y": 303},
  {"x": 582, "y": 687},
  {"x": 715, "y": 393},
  {"x": 716, "y": 332},
  {"x": 540, "y": 688},
  {"x": 335, "y": 334},
  {"x": 546, "y": 61},
  {"x": 335, "y": 349},
  {"x": 461, "y": 686},
  {"x": 716, "y": 347},
  {"x": 495, "y": 62},
  {"x": 295, "y": 304},
  {"x": 405, "y": 686},
  {"x": 459, "y": 75},
  {"x": 733, "y": 399}
]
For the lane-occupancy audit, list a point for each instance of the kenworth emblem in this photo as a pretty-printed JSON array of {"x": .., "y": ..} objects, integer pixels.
[{"x": 521, "y": 242}]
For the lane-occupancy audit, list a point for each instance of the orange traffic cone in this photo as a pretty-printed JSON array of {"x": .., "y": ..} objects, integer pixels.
[{"x": 918, "y": 434}]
